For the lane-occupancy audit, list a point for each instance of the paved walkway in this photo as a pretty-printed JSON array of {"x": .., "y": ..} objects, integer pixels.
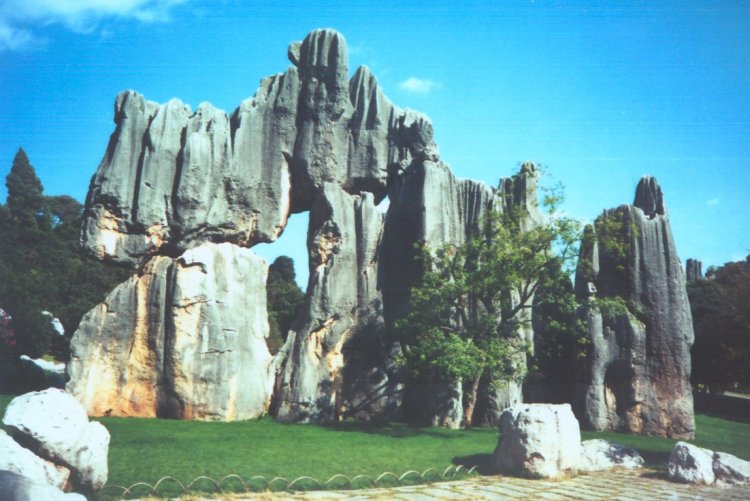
[{"x": 627, "y": 485}]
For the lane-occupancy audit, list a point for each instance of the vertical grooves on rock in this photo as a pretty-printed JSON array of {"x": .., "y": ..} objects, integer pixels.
[{"x": 179, "y": 161}]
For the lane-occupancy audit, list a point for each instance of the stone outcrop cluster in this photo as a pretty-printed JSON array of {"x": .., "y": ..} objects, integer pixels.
[
  {"x": 637, "y": 375},
  {"x": 184, "y": 194},
  {"x": 51, "y": 448},
  {"x": 544, "y": 440}
]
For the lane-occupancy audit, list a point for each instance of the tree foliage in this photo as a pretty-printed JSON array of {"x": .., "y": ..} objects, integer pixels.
[
  {"x": 285, "y": 299},
  {"x": 560, "y": 342},
  {"x": 42, "y": 267},
  {"x": 721, "y": 319},
  {"x": 25, "y": 200},
  {"x": 465, "y": 314}
]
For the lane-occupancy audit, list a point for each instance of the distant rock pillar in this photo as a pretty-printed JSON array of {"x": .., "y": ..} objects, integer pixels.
[{"x": 693, "y": 270}]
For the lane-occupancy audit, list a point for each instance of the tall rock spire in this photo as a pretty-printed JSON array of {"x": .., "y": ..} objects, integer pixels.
[{"x": 637, "y": 375}]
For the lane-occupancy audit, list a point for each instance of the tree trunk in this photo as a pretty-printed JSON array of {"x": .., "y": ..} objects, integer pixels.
[{"x": 471, "y": 403}]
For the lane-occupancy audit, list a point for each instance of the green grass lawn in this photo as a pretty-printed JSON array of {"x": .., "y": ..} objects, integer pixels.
[{"x": 144, "y": 450}]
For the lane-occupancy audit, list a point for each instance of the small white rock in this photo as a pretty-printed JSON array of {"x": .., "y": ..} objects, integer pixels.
[
  {"x": 55, "y": 427},
  {"x": 599, "y": 454},
  {"x": 690, "y": 464}
]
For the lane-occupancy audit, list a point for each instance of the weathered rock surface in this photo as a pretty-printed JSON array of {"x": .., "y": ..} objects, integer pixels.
[
  {"x": 637, "y": 377},
  {"x": 599, "y": 454},
  {"x": 691, "y": 464},
  {"x": 693, "y": 270},
  {"x": 172, "y": 178},
  {"x": 343, "y": 312},
  {"x": 17, "y": 459},
  {"x": 695, "y": 465},
  {"x": 183, "y": 338},
  {"x": 54, "y": 426},
  {"x": 17, "y": 487},
  {"x": 538, "y": 440},
  {"x": 730, "y": 469}
]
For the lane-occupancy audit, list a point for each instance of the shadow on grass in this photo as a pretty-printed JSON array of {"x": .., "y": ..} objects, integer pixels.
[
  {"x": 394, "y": 430},
  {"x": 483, "y": 462}
]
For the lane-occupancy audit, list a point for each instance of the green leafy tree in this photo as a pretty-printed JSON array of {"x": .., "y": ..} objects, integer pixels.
[
  {"x": 465, "y": 314},
  {"x": 42, "y": 267},
  {"x": 285, "y": 299},
  {"x": 721, "y": 319},
  {"x": 25, "y": 200},
  {"x": 559, "y": 336}
]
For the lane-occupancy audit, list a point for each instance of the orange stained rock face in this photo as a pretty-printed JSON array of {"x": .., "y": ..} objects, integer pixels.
[
  {"x": 316, "y": 337},
  {"x": 155, "y": 235}
]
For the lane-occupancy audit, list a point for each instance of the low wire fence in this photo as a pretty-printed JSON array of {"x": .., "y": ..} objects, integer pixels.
[{"x": 170, "y": 486}]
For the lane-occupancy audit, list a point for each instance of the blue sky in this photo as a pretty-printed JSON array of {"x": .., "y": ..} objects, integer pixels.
[{"x": 599, "y": 92}]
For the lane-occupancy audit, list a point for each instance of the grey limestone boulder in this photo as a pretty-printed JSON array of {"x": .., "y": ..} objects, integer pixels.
[
  {"x": 183, "y": 338},
  {"x": 17, "y": 487},
  {"x": 538, "y": 440},
  {"x": 54, "y": 425},
  {"x": 599, "y": 454},
  {"x": 637, "y": 372}
]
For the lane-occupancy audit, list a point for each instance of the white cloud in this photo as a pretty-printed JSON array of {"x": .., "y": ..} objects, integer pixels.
[
  {"x": 713, "y": 201},
  {"x": 13, "y": 38},
  {"x": 21, "y": 19},
  {"x": 418, "y": 85}
]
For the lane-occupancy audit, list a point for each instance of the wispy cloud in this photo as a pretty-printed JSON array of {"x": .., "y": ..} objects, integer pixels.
[
  {"x": 418, "y": 85},
  {"x": 21, "y": 20},
  {"x": 713, "y": 201}
]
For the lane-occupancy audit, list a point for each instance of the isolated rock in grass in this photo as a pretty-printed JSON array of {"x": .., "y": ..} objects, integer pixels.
[
  {"x": 538, "y": 440},
  {"x": 54, "y": 425},
  {"x": 17, "y": 487},
  {"x": 184, "y": 338},
  {"x": 599, "y": 454},
  {"x": 731, "y": 469},
  {"x": 637, "y": 372},
  {"x": 17, "y": 459},
  {"x": 691, "y": 464}
]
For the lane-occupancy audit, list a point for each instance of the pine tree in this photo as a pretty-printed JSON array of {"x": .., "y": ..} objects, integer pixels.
[{"x": 25, "y": 200}]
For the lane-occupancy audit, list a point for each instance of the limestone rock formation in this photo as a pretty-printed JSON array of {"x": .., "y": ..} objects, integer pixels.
[
  {"x": 183, "y": 193},
  {"x": 183, "y": 338},
  {"x": 693, "y": 270},
  {"x": 637, "y": 376},
  {"x": 538, "y": 440},
  {"x": 173, "y": 178},
  {"x": 343, "y": 311}
]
